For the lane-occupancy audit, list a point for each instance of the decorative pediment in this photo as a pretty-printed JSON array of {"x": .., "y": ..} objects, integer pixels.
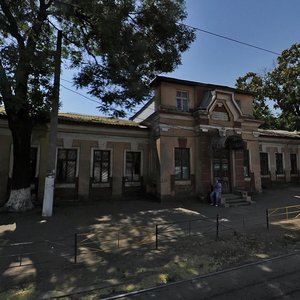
[
  {"x": 220, "y": 113},
  {"x": 223, "y": 107}
]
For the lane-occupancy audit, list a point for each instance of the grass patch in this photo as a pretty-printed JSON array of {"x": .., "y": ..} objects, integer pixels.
[{"x": 22, "y": 293}]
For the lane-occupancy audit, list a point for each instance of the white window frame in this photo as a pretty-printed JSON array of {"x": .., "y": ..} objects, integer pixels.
[
  {"x": 67, "y": 185},
  {"x": 268, "y": 175},
  {"x": 181, "y": 108},
  {"x": 183, "y": 181},
  {"x": 283, "y": 164},
  {"x": 101, "y": 184},
  {"x": 297, "y": 162},
  {"x": 133, "y": 183}
]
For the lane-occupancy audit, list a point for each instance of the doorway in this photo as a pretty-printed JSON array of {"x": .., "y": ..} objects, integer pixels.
[{"x": 221, "y": 169}]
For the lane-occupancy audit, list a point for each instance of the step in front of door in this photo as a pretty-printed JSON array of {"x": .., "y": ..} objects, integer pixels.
[{"x": 232, "y": 202}]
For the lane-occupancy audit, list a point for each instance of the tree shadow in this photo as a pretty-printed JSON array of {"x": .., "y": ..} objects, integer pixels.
[
  {"x": 47, "y": 262},
  {"x": 101, "y": 265}
]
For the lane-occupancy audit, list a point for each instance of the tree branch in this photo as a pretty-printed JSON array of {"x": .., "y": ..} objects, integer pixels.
[
  {"x": 82, "y": 28},
  {"x": 5, "y": 87},
  {"x": 47, "y": 5},
  {"x": 3, "y": 24},
  {"x": 36, "y": 27},
  {"x": 13, "y": 26}
]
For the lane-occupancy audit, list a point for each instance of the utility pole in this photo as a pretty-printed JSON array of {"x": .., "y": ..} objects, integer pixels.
[{"x": 50, "y": 177}]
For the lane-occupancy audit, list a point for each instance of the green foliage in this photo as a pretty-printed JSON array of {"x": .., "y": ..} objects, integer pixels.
[
  {"x": 116, "y": 47},
  {"x": 26, "y": 58},
  {"x": 254, "y": 83},
  {"x": 280, "y": 85},
  {"x": 283, "y": 83}
]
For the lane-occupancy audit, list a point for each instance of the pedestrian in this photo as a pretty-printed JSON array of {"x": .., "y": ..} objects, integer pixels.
[{"x": 215, "y": 195}]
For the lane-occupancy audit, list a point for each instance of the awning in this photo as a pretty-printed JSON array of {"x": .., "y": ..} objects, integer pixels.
[
  {"x": 218, "y": 142},
  {"x": 234, "y": 142}
]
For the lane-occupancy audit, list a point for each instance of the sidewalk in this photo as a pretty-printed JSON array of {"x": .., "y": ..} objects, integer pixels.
[
  {"x": 31, "y": 226},
  {"x": 62, "y": 274}
]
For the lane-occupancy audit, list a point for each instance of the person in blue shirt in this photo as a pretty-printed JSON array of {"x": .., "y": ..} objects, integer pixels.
[{"x": 215, "y": 195}]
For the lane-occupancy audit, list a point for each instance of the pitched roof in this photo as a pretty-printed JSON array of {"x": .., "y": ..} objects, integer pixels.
[
  {"x": 89, "y": 119},
  {"x": 279, "y": 133},
  {"x": 160, "y": 79}
]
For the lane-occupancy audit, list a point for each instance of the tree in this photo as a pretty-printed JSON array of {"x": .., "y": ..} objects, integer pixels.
[
  {"x": 254, "y": 83},
  {"x": 116, "y": 46},
  {"x": 281, "y": 85}
]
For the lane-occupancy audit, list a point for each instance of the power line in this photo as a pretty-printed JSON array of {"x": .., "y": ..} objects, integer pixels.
[
  {"x": 67, "y": 80},
  {"x": 90, "y": 99},
  {"x": 82, "y": 95},
  {"x": 232, "y": 40},
  {"x": 192, "y": 27},
  {"x": 211, "y": 33}
]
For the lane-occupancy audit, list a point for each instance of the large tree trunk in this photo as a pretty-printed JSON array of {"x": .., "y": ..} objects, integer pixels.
[{"x": 20, "y": 195}]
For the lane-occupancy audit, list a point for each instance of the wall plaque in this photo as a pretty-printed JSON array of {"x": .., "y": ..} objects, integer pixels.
[{"x": 219, "y": 116}]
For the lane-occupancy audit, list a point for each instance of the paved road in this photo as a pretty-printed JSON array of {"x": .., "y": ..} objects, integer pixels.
[{"x": 274, "y": 279}]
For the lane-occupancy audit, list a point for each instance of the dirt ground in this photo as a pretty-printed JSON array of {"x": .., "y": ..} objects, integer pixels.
[{"x": 117, "y": 248}]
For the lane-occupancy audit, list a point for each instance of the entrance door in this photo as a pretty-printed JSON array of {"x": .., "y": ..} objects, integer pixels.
[{"x": 221, "y": 168}]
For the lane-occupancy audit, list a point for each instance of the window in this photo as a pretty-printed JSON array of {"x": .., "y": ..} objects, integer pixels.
[
  {"x": 133, "y": 166},
  {"x": 66, "y": 165},
  {"x": 279, "y": 163},
  {"x": 182, "y": 163},
  {"x": 246, "y": 163},
  {"x": 294, "y": 167},
  {"x": 264, "y": 163},
  {"x": 182, "y": 101},
  {"x": 101, "y": 166}
]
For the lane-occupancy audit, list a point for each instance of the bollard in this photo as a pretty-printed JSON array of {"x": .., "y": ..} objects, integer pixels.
[{"x": 21, "y": 251}]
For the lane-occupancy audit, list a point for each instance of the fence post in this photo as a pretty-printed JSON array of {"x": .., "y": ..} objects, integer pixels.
[
  {"x": 21, "y": 251},
  {"x": 75, "y": 248},
  {"x": 217, "y": 228},
  {"x": 118, "y": 239},
  {"x": 267, "y": 218},
  {"x": 156, "y": 236}
]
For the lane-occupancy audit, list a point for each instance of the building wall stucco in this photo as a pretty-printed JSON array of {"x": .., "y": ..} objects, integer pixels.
[
  {"x": 204, "y": 130},
  {"x": 168, "y": 94}
]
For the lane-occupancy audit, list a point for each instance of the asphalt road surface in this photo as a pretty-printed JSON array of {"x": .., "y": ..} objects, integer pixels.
[{"x": 277, "y": 278}]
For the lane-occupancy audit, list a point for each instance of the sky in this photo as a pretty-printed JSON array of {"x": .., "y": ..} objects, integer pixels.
[{"x": 269, "y": 24}]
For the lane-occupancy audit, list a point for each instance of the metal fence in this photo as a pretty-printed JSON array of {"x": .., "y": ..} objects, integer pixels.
[
  {"x": 194, "y": 227},
  {"x": 34, "y": 252},
  {"x": 149, "y": 237},
  {"x": 127, "y": 237},
  {"x": 137, "y": 237},
  {"x": 282, "y": 213}
]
